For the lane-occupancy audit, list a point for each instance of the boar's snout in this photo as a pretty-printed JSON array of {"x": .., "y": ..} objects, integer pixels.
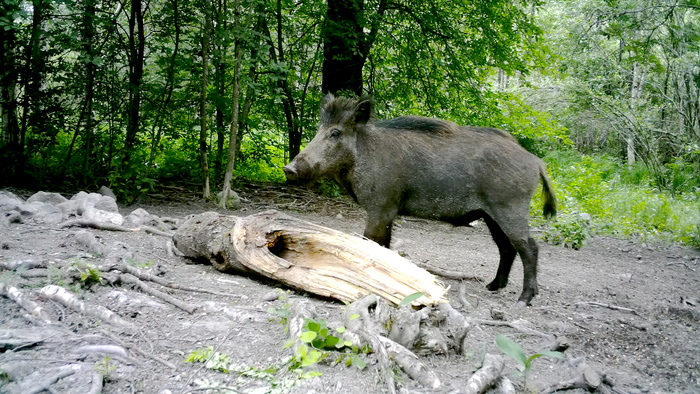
[{"x": 291, "y": 172}]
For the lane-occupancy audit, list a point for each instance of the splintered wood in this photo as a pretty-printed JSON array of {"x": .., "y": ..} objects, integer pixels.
[{"x": 306, "y": 256}]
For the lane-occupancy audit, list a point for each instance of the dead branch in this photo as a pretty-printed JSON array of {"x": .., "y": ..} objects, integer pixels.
[
  {"x": 13, "y": 265},
  {"x": 462, "y": 297},
  {"x": 127, "y": 269},
  {"x": 520, "y": 325},
  {"x": 448, "y": 274},
  {"x": 136, "y": 349},
  {"x": 609, "y": 306},
  {"x": 127, "y": 278},
  {"x": 117, "y": 352},
  {"x": 16, "y": 295},
  {"x": 171, "y": 250},
  {"x": 304, "y": 255},
  {"x": 486, "y": 376},
  {"x": 97, "y": 383},
  {"x": 154, "y": 231},
  {"x": 64, "y": 297},
  {"x": 410, "y": 364},
  {"x": 107, "y": 226}
]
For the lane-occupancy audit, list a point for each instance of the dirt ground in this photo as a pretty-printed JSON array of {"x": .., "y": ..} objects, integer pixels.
[{"x": 628, "y": 309}]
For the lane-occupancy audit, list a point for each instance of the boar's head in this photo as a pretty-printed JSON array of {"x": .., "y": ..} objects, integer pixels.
[{"x": 332, "y": 151}]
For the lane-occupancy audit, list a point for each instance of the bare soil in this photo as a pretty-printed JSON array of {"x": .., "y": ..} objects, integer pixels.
[{"x": 628, "y": 309}]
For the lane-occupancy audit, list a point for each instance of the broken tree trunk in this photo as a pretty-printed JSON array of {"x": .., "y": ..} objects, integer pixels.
[{"x": 306, "y": 256}]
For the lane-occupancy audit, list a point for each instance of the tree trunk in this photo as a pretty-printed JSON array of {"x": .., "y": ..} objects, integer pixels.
[
  {"x": 306, "y": 256},
  {"x": 136, "y": 59},
  {"x": 235, "y": 104},
  {"x": 343, "y": 47},
  {"x": 204, "y": 165},
  {"x": 10, "y": 146},
  {"x": 169, "y": 85},
  {"x": 90, "y": 52}
]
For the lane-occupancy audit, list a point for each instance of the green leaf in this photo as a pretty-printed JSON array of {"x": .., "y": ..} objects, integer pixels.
[
  {"x": 331, "y": 341},
  {"x": 358, "y": 362},
  {"x": 307, "y": 336},
  {"x": 302, "y": 351},
  {"x": 310, "y": 374},
  {"x": 289, "y": 344},
  {"x": 410, "y": 298},
  {"x": 313, "y": 326},
  {"x": 511, "y": 349},
  {"x": 340, "y": 330},
  {"x": 355, "y": 316}
]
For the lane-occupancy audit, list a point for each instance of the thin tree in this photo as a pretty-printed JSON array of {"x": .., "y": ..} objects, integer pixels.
[{"x": 204, "y": 165}]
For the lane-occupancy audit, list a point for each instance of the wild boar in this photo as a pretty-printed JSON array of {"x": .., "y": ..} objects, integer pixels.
[{"x": 434, "y": 169}]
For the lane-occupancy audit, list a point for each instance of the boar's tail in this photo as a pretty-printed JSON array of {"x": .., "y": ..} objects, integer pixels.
[{"x": 550, "y": 200}]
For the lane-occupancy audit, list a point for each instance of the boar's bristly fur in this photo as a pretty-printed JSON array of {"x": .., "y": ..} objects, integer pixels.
[{"x": 430, "y": 168}]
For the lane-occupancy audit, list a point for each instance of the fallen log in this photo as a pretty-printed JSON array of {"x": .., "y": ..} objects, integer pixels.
[{"x": 306, "y": 256}]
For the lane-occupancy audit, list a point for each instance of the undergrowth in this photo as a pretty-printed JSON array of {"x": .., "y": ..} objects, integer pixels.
[{"x": 621, "y": 202}]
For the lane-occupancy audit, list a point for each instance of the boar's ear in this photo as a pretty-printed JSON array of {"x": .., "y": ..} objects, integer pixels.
[
  {"x": 327, "y": 99},
  {"x": 363, "y": 110}
]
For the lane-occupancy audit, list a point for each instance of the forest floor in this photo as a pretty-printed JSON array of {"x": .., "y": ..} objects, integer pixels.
[{"x": 628, "y": 309}]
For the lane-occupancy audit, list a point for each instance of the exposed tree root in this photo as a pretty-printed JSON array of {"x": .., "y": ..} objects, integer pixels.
[
  {"x": 127, "y": 269},
  {"x": 127, "y": 278},
  {"x": 97, "y": 383},
  {"x": 520, "y": 325},
  {"x": 64, "y": 297},
  {"x": 34, "y": 309},
  {"x": 25, "y": 264},
  {"x": 410, "y": 364},
  {"x": 609, "y": 306},
  {"x": 456, "y": 275},
  {"x": 487, "y": 376},
  {"x": 154, "y": 231},
  {"x": 136, "y": 349},
  {"x": 44, "y": 382},
  {"x": 107, "y": 226},
  {"x": 588, "y": 379},
  {"x": 117, "y": 352}
]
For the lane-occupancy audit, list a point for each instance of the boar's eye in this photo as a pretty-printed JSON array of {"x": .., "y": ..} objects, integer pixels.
[{"x": 334, "y": 133}]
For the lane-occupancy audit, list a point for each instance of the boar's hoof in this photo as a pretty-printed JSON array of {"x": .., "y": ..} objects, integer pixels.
[{"x": 496, "y": 284}]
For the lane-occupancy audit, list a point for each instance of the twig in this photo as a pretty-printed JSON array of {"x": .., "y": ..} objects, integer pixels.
[
  {"x": 609, "y": 306},
  {"x": 163, "y": 296},
  {"x": 681, "y": 263},
  {"x": 139, "y": 351},
  {"x": 448, "y": 274},
  {"x": 517, "y": 325},
  {"x": 63, "y": 296},
  {"x": 125, "y": 268},
  {"x": 108, "y": 226},
  {"x": 152, "y": 230},
  {"x": 117, "y": 352},
  {"x": 462, "y": 297}
]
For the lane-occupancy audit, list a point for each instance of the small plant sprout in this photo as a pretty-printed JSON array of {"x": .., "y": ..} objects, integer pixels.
[
  {"x": 514, "y": 351},
  {"x": 410, "y": 298}
]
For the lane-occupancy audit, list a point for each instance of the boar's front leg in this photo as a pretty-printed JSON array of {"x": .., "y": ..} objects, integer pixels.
[{"x": 378, "y": 226}]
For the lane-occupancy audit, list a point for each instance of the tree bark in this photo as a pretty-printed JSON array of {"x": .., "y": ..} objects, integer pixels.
[
  {"x": 306, "y": 256},
  {"x": 203, "y": 151},
  {"x": 11, "y": 147},
  {"x": 136, "y": 58},
  {"x": 235, "y": 104}
]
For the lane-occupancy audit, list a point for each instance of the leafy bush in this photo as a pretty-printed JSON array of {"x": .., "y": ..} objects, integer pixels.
[{"x": 620, "y": 201}]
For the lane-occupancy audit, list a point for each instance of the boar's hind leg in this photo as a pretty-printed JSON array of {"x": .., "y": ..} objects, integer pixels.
[
  {"x": 513, "y": 236},
  {"x": 506, "y": 251}
]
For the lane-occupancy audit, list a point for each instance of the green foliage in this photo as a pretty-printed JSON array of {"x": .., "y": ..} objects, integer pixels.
[
  {"x": 514, "y": 351},
  {"x": 620, "y": 201},
  {"x": 131, "y": 181},
  {"x": 105, "y": 368},
  {"x": 410, "y": 298},
  {"x": 318, "y": 343},
  {"x": 572, "y": 231},
  {"x": 282, "y": 313},
  {"x": 215, "y": 361},
  {"x": 89, "y": 275}
]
